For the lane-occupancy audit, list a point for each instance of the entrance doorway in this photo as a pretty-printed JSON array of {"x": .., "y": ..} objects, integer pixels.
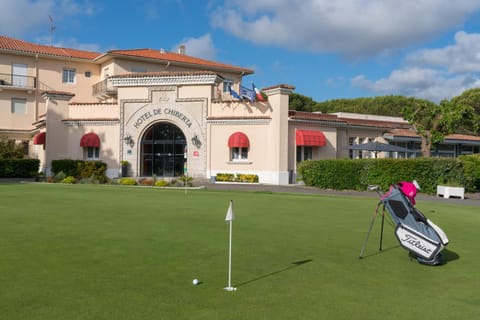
[{"x": 162, "y": 153}]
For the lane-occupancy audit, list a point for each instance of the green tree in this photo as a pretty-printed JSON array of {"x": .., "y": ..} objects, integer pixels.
[
  {"x": 300, "y": 102},
  {"x": 9, "y": 150},
  {"x": 433, "y": 122},
  {"x": 381, "y": 105},
  {"x": 469, "y": 99}
]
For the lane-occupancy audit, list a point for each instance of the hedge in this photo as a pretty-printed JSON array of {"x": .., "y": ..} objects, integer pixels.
[
  {"x": 19, "y": 168},
  {"x": 348, "y": 174},
  {"x": 80, "y": 169}
]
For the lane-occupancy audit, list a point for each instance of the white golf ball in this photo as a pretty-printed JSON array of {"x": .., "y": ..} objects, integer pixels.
[{"x": 195, "y": 282}]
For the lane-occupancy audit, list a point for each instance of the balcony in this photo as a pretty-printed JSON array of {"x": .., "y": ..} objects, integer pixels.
[
  {"x": 104, "y": 89},
  {"x": 17, "y": 82}
]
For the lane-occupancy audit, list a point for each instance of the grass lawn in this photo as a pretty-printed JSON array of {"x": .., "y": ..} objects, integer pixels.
[{"x": 112, "y": 252}]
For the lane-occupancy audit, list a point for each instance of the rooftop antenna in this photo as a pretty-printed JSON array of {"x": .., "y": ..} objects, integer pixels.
[{"x": 52, "y": 29}]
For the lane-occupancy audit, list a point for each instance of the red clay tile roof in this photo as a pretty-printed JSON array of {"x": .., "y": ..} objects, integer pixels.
[
  {"x": 413, "y": 134},
  {"x": 303, "y": 115},
  {"x": 175, "y": 57},
  {"x": 15, "y": 45},
  {"x": 8, "y": 44},
  {"x": 462, "y": 137}
]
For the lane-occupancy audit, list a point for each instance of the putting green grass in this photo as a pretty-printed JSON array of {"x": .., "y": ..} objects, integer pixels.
[{"x": 113, "y": 252}]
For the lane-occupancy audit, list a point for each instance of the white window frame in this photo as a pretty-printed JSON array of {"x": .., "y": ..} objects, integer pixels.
[
  {"x": 227, "y": 83},
  {"x": 69, "y": 75},
  {"x": 304, "y": 153},
  {"x": 238, "y": 154},
  {"x": 92, "y": 153},
  {"x": 19, "y": 106}
]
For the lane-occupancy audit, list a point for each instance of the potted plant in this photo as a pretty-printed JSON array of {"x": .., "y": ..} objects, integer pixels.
[{"x": 124, "y": 165}]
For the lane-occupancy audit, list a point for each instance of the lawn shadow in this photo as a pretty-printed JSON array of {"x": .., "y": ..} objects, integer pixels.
[
  {"x": 449, "y": 255},
  {"x": 292, "y": 265}
]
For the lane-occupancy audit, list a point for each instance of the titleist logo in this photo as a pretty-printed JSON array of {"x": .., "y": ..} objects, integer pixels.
[{"x": 413, "y": 241}]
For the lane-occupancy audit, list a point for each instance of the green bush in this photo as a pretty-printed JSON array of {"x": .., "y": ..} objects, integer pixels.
[
  {"x": 127, "y": 182},
  {"x": 59, "y": 177},
  {"x": 69, "y": 180},
  {"x": 224, "y": 177},
  {"x": 19, "y": 168},
  {"x": 161, "y": 183},
  {"x": 471, "y": 165},
  {"x": 252, "y": 178},
  {"x": 67, "y": 166},
  {"x": 357, "y": 174},
  {"x": 239, "y": 177},
  {"x": 81, "y": 169}
]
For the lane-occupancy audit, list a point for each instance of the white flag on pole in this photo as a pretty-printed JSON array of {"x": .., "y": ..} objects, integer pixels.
[{"x": 230, "y": 216}]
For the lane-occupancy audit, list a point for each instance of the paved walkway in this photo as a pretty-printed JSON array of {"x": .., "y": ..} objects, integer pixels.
[{"x": 472, "y": 199}]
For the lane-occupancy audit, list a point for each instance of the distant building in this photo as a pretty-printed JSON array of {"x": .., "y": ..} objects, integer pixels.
[{"x": 167, "y": 112}]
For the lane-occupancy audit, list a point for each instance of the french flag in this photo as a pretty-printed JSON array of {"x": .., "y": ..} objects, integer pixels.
[{"x": 257, "y": 93}]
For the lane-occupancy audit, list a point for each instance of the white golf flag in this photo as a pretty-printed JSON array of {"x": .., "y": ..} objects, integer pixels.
[{"x": 230, "y": 216}]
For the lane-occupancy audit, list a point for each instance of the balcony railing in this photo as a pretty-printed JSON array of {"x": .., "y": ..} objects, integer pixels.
[
  {"x": 17, "y": 81},
  {"x": 104, "y": 88}
]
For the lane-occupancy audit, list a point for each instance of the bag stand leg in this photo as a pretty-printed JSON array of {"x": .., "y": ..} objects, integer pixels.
[{"x": 370, "y": 230}]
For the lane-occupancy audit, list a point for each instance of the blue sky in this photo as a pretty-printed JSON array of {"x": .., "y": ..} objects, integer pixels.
[{"x": 326, "y": 49}]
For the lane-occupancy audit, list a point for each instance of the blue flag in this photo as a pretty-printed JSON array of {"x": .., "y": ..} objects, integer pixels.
[
  {"x": 233, "y": 93},
  {"x": 247, "y": 93}
]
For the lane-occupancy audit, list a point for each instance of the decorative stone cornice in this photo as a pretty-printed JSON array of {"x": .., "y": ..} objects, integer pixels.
[
  {"x": 239, "y": 120},
  {"x": 166, "y": 79},
  {"x": 90, "y": 122}
]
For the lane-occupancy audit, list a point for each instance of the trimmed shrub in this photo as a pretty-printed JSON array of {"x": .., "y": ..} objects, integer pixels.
[
  {"x": 80, "y": 169},
  {"x": 224, "y": 177},
  {"x": 246, "y": 177},
  {"x": 146, "y": 182},
  {"x": 161, "y": 183},
  {"x": 358, "y": 174},
  {"x": 19, "y": 168},
  {"x": 69, "y": 180},
  {"x": 127, "y": 182},
  {"x": 67, "y": 166},
  {"x": 239, "y": 177}
]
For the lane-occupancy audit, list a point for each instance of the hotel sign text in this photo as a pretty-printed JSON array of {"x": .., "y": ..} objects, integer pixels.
[{"x": 166, "y": 112}]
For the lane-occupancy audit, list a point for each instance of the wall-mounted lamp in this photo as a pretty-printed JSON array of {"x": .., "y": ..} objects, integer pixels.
[{"x": 129, "y": 141}]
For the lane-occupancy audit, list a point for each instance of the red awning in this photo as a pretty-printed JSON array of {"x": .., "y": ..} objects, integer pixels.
[
  {"x": 238, "y": 140},
  {"x": 311, "y": 138},
  {"x": 40, "y": 138},
  {"x": 90, "y": 140}
]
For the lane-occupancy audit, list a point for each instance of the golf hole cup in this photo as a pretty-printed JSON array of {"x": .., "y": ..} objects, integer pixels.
[{"x": 195, "y": 282}]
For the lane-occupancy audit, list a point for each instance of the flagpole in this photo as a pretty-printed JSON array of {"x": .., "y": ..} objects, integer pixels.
[{"x": 230, "y": 218}]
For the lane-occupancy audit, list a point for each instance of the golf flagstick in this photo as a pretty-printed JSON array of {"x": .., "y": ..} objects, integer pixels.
[{"x": 229, "y": 218}]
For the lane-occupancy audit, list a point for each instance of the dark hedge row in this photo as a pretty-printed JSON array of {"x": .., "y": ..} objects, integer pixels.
[
  {"x": 346, "y": 174},
  {"x": 80, "y": 169},
  {"x": 19, "y": 168}
]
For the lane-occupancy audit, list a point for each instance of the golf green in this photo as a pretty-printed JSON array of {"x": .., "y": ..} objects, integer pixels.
[{"x": 115, "y": 252}]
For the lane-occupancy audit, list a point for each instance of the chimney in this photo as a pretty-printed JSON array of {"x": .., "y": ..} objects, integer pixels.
[{"x": 181, "y": 49}]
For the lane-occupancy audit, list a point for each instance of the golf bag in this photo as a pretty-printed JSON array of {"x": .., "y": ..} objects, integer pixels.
[{"x": 415, "y": 232}]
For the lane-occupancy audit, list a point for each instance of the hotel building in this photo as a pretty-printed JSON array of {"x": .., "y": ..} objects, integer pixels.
[{"x": 167, "y": 112}]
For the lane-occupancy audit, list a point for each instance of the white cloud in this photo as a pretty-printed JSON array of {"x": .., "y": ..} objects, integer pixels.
[
  {"x": 463, "y": 56},
  {"x": 201, "y": 47},
  {"x": 425, "y": 83},
  {"x": 38, "y": 14},
  {"x": 350, "y": 27},
  {"x": 433, "y": 74},
  {"x": 36, "y": 11}
]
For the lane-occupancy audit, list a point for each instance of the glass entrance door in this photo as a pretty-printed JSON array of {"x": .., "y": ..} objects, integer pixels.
[{"x": 163, "y": 147}]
